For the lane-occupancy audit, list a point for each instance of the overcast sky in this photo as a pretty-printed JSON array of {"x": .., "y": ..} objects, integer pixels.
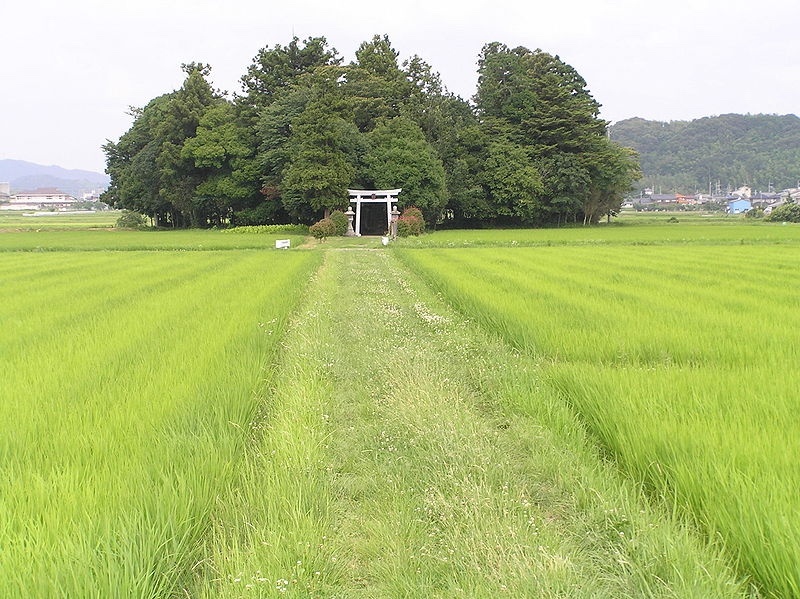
[{"x": 69, "y": 69}]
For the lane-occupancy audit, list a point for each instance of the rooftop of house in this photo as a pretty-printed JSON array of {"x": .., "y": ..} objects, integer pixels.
[{"x": 42, "y": 191}]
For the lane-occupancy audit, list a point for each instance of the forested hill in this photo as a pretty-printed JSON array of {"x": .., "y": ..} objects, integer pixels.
[
  {"x": 730, "y": 150},
  {"x": 26, "y": 176}
]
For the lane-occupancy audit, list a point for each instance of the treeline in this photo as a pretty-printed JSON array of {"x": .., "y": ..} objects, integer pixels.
[
  {"x": 731, "y": 150},
  {"x": 530, "y": 149}
]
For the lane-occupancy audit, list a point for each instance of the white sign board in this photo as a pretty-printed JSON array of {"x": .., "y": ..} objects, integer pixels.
[{"x": 282, "y": 244}]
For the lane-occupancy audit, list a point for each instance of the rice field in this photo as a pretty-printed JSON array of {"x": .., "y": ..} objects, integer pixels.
[
  {"x": 681, "y": 357},
  {"x": 694, "y": 230},
  {"x": 130, "y": 379},
  {"x": 165, "y": 432},
  {"x": 16, "y": 220},
  {"x": 120, "y": 240}
]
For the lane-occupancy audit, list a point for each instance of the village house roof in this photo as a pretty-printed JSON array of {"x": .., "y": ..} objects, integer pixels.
[{"x": 43, "y": 191}]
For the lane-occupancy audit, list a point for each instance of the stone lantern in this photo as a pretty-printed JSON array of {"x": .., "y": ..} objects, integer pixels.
[
  {"x": 393, "y": 223},
  {"x": 350, "y": 214}
]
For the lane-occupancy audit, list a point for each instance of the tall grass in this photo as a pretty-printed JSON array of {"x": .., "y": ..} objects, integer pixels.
[
  {"x": 129, "y": 382},
  {"x": 680, "y": 357}
]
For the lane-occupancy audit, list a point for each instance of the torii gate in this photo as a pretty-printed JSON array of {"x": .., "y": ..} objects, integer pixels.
[{"x": 358, "y": 196}]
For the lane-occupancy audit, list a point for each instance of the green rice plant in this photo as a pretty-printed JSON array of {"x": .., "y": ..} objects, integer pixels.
[
  {"x": 270, "y": 229},
  {"x": 122, "y": 240},
  {"x": 130, "y": 381},
  {"x": 15, "y": 220},
  {"x": 404, "y": 453},
  {"x": 678, "y": 357},
  {"x": 696, "y": 232}
]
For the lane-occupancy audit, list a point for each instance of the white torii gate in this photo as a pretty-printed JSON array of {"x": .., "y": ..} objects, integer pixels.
[{"x": 358, "y": 196}]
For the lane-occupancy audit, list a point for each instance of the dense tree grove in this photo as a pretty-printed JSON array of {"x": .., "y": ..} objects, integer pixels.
[
  {"x": 759, "y": 150},
  {"x": 529, "y": 149}
]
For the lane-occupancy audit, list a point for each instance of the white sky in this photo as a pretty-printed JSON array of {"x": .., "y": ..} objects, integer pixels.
[{"x": 69, "y": 69}]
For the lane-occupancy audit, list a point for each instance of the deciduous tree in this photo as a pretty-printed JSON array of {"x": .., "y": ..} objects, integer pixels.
[{"x": 399, "y": 156}]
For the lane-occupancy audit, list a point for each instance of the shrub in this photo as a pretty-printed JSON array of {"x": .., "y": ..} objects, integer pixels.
[
  {"x": 323, "y": 228},
  {"x": 340, "y": 221},
  {"x": 264, "y": 213},
  {"x": 788, "y": 213},
  {"x": 403, "y": 228},
  {"x": 411, "y": 222},
  {"x": 131, "y": 220}
]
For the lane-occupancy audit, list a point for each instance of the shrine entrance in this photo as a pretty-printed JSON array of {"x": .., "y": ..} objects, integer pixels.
[
  {"x": 373, "y": 214},
  {"x": 373, "y": 219}
]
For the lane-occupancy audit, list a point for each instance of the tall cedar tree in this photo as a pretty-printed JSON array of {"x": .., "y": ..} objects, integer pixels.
[
  {"x": 149, "y": 171},
  {"x": 321, "y": 149}
]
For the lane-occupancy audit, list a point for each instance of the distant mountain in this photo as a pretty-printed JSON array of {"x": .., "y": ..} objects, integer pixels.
[
  {"x": 27, "y": 176},
  {"x": 730, "y": 150}
]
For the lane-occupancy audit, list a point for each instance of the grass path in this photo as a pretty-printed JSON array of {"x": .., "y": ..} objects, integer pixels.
[{"x": 405, "y": 453}]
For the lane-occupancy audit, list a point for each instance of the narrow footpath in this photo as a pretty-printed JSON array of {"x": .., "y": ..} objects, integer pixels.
[{"x": 404, "y": 452}]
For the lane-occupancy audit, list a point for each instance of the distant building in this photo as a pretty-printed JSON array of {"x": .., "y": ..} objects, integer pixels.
[
  {"x": 5, "y": 192},
  {"x": 686, "y": 200},
  {"x": 44, "y": 198},
  {"x": 91, "y": 196},
  {"x": 793, "y": 193},
  {"x": 664, "y": 198},
  {"x": 739, "y": 206},
  {"x": 743, "y": 193},
  {"x": 772, "y": 205}
]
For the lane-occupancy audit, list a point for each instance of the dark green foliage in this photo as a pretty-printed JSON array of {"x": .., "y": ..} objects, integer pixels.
[
  {"x": 268, "y": 212},
  {"x": 462, "y": 144},
  {"x": 323, "y": 228},
  {"x": 131, "y": 220},
  {"x": 537, "y": 100},
  {"x": 375, "y": 85},
  {"x": 787, "y": 213},
  {"x": 399, "y": 156},
  {"x": 340, "y": 221},
  {"x": 321, "y": 149},
  {"x": 150, "y": 172},
  {"x": 513, "y": 181},
  {"x": 276, "y": 69},
  {"x": 306, "y": 128},
  {"x": 549, "y": 158},
  {"x": 223, "y": 147},
  {"x": 754, "y": 213},
  {"x": 730, "y": 149}
]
